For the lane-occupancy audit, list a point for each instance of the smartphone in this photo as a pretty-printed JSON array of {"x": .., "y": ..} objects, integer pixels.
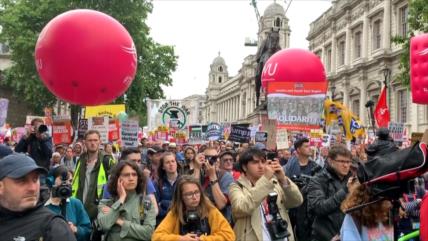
[
  {"x": 211, "y": 159},
  {"x": 271, "y": 155}
]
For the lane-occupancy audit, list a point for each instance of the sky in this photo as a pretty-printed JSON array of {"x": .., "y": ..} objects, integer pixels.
[{"x": 201, "y": 29}]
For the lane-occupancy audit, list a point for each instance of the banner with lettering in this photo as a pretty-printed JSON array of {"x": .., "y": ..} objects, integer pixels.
[
  {"x": 282, "y": 139},
  {"x": 240, "y": 134},
  {"x": 195, "y": 135},
  {"x": 61, "y": 130},
  {"x": 172, "y": 113},
  {"x": 129, "y": 133},
  {"x": 296, "y": 106},
  {"x": 214, "y": 131},
  {"x": 261, "y": 136},
  {"x": 104, "y": 110},
  {"x": 396, "y": 131},
  {"x": 114, "y": 130},
  {"x": 82, "y": 128},
  {"x": 100, "y": 124}
]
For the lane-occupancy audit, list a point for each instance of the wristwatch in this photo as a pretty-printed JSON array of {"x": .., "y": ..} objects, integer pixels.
[{"x": 214, "y": 182}]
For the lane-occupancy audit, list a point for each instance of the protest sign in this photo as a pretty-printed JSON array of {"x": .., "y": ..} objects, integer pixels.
[
  {"x": 100, "y": 124},
  {"x": 261, "y": 136},
  {"x": 82, "y": 128},
  {"x": 195, "y": 134},
  {"x": 61, "y": 130},
  {"x": 129, "y": 133},
  {"x": 214, "y": 131},
  {"x": 4, "y": 103},
  {"x": 396, "y": 131},
  {"x": 282, "y": 139},
  {"x": 239, "y": 134},
  {"x": 114, "y": 130}
]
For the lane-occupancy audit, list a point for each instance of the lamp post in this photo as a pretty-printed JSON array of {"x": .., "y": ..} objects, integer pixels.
[
  {"x": 386, "y": 74},
  {"x": 333, "y": 89}
]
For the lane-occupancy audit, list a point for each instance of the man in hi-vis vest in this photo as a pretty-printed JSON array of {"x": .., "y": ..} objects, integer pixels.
[{"x": 91, "y": 173}]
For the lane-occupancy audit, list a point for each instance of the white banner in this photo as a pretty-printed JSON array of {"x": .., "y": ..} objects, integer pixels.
[
  {"x": 129, "y": 133},
  {"x": 176, "y": 114},
  {"x": 100, "y": 124},
  {"x": 396, "y": 131},
  {"x": 4, "y": 103}
]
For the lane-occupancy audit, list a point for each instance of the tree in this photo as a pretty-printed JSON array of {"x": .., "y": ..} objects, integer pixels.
[
  {"x": 418, "y": 22},
  {"x": 23, "y": 20}
]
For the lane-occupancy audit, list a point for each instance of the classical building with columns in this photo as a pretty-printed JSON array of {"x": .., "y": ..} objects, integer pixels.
[
  {"x": 232, "y": 99},
  {"x": 353, "y": 39}
]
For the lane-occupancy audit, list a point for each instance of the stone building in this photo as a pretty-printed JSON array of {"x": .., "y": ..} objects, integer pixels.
[
  {"x": 353, "y": 39},
  {"x": 232, "y": 98}
]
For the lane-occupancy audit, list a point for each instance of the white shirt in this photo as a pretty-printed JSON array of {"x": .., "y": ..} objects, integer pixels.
[{"x": 265, "y": 231}]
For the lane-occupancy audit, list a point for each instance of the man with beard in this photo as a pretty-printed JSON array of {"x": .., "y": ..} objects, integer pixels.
[
  {"x": 22, "y": 213},
  {"x": 91, "y": 173}
]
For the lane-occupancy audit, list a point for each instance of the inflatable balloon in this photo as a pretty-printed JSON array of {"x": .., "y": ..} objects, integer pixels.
[
  {"x": 85, "y": 57},
  {"x": 419, "y": 68},
  {"x": 122, "y": 116},
  {"x": 293, "y": 65}
]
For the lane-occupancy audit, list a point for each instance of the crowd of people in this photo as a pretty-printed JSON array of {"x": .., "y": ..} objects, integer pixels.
[{"x": 215, "y": 191}]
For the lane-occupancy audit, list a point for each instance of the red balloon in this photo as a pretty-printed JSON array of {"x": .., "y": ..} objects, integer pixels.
[
  {"x": 86, "y": 57},
  {"x": 293, "y": 65}
]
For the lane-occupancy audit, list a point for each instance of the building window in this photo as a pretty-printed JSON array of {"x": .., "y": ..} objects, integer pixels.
[
  {"x": 403, "y": 21},
  {"x": 357, "y": 45},
  {"x": 356, "y": 107},
  {"x": 220, "y": 69},
  {"x": 277, "y": 22},
  {"x": 402, "y": 106},
  {"x": 375, "y": 99},
  {"x": 341, "y": 53},
  {"x": 328, "y": 60},
  {"x": 377, "y": 36},
  {"x": 219, "y": 79}
]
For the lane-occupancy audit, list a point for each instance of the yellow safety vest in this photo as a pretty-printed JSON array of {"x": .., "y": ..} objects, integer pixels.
[{"x": 101, "y": 180}]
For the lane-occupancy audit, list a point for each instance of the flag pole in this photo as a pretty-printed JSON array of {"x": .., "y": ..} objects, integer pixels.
[{"x": 370, "y": 105}]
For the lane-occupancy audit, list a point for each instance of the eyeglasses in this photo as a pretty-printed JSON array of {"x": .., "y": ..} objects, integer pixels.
[
  {"x": 128, "y": 175},
  {"x": 348, "y": 162},
  {"x": 227, "y": 160},
  {"x": 190, "y": 195}
]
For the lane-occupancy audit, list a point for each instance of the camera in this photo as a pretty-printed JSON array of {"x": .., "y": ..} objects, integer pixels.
[
  {"x": 63, "y": 190},
  {"x": 271, "y": 155},
  {"x": 42, "y": 129},
  {"x": 211, "y": 159},
  {"x": 276, "y": 226},
  {"x": 194, "y": 224}
]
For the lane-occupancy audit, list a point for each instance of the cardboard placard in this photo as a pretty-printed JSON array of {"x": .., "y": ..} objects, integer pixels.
[{"x": 239, "y": 134}]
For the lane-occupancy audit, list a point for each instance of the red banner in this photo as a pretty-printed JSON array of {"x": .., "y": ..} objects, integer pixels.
[
  {"x": 61, "y": 131},
  {"x": 381, "y": 112},
  {"x": 113, "y": 130}
]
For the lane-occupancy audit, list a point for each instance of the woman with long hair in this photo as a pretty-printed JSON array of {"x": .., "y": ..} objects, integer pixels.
[
  {"x": 165, "y": 185},
  {"x": 369, "y": 223},
  {"x": 128, "y": 214},
  {"x": 192, "y": 216}
]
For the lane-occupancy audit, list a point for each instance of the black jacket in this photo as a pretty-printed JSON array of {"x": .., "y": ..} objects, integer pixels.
[
  {"x": 325, "y": 194},
  {"x": 38, "y": 223},
  {"x": 39, "y": 150}
]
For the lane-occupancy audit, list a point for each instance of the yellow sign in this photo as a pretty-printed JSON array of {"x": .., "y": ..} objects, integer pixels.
[{"x": 104, "y": 110}]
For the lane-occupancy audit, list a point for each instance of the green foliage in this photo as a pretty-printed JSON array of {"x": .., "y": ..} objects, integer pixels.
[
  {"x": 23, "y": 20},
  {"x": 418, "y": 23}
]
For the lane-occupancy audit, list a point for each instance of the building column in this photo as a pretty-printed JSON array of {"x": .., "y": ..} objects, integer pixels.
[
  {"x": 348, "y": 45},
  {"x": 365, "y": 44},
  {"x": 333, "y": 52},
  {"x": 363, "y": 99},
  {"x": 346, "y": 95},
  {"x": 387, "y": 25}
]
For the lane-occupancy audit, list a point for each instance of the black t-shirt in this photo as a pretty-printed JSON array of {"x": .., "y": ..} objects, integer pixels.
[{"x": 308, "y": 168}]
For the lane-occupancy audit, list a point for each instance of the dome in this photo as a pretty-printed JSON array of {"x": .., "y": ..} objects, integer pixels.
[
  {"x": 219, "y": 60},
  {"x": 273, "y": 10}
]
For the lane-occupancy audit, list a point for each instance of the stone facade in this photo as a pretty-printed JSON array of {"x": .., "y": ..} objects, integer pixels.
[
  {"x": 232, "y": 99},
  {"x": 353, "y": 39}
]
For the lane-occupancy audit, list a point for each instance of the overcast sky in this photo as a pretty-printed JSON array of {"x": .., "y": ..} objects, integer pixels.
[{"x": 200, "y": 29}]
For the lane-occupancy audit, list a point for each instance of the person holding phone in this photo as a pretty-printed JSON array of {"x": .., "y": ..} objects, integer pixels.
[
  {"x": 128, "y": 214},
  {"x": 215, "y": 182},
  {"x": 192, "y": 217}
]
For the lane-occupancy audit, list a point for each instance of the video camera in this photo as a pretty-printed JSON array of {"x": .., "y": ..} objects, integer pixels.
[
  {"x": 62, "y": 191},
  {"x": 276, "y": 226},
  {"x": 42, "y": 129},
  {"x": 194, "y": 224}
]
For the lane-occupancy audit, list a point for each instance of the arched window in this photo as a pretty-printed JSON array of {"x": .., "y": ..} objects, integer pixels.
[
  {"x": 277, "y": 22},
  {"x": 220, "y": 69},
  {"x": 219, "y": 80}
]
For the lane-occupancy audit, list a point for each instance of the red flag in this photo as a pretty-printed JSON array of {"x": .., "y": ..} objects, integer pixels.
[{"x": 381, "y": 112}]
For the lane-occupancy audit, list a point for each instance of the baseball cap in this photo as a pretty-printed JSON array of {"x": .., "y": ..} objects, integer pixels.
[
  {"x": 172, "y": 145},
  {"x": 5, "y": 151},
  {"x": 260, "y": 146},
  {"x": 18, "y": 165}
]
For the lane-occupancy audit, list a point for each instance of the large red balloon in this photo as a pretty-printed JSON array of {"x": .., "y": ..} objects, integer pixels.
[
  {"x": 293, "y": 65},
  {"x": 86, "y": 57}
]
